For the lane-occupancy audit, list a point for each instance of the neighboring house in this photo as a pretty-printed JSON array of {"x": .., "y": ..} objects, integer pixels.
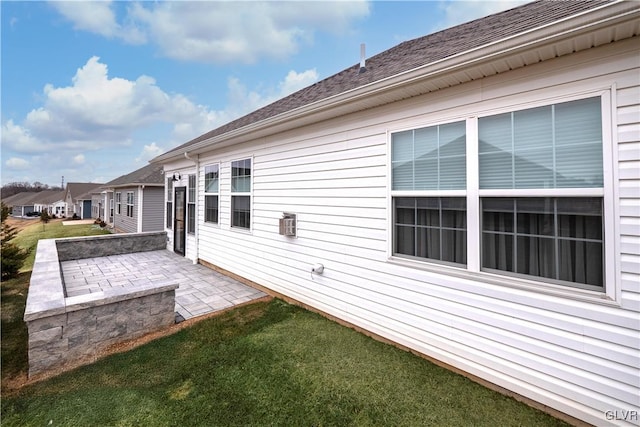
[
  {"x": 97, "y": 203},
  {"x": 47, "y": 199},
  {"x": 75, "y": 204},
  {"x": 21, "y": 204},
  {"x": 472, "y": 196},
  {"x": 84, "y": 205},
  {"x": 27, "y": 202},
  {"x": 135, "y": 201}
]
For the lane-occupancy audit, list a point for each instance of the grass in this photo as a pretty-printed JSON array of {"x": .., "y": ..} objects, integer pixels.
[
  {"x": 13, "y": 330},
  {"x": 268, "y": 363},
  {"x": 28, "y": 238}
]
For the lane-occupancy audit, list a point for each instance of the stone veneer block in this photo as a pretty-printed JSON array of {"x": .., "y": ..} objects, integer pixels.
[{"x": 64, "y": 329}]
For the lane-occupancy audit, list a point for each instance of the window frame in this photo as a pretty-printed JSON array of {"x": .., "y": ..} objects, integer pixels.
[
  {"x": 192, "y": 194},
  {"x": 610, "y": 290},
  {"x": 169, "y": 203},
  {"x": 130, "y": 203},
  {"x": 208, "y": 195},
  {"x": 118, "y": 199},
  {"x": 236, "y": 194}
]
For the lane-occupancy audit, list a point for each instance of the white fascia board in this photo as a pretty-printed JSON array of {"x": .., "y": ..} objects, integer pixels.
[{"x": 590, "y": 20}]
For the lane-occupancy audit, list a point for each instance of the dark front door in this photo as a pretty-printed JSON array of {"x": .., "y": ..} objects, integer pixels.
[{"x": 179, "y": 229}]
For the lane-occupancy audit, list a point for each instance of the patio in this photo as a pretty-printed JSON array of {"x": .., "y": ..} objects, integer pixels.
[
  {"x": 89, "y": 293},
  {"x": 201, "y": 290}
]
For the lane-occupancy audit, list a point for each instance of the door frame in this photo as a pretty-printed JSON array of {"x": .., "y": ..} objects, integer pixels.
[{"x": 177, "y": 238}]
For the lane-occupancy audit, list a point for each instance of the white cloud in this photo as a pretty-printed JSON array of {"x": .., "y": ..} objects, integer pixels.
[
  {"x": 97, "y": 112},
  {"x": 216, "y": 32},
  {"x": 296, "y": 81},
  {"x": 16, "y": 163},
  {"x": 99, "y": 116},
  {"x": 97, "y": 17},
  {"x": 19, "y": 138},
  {"x": 149, "y": 151},
  {"x": 460, "y": 11}
]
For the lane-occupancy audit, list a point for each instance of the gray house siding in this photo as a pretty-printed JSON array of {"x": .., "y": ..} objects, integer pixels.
[
  {"x": 123, "y": 222},
  {"x": 96, "y": 206},
  {"x": 152, "y": 209},
  {"x": 22, "y": 210}
]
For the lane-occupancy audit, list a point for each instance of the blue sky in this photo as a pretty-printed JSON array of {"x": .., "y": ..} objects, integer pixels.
[{"x": 93, "y": 90}]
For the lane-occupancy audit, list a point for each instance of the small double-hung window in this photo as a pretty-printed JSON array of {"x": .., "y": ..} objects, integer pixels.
[
  {"x": 191, "y": 204},
  {"x": 118, "y": 197},
  {"x": 211, "y": 193},
  {"x": 130, "y": 204},
  {"x": 241, "y": 193},
  {"x": 428, "y": 184},
  {"x": 169, "y": 203}
]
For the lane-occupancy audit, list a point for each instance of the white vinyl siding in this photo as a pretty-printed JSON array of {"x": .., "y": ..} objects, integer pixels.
[{"x": 574, "y": 350}]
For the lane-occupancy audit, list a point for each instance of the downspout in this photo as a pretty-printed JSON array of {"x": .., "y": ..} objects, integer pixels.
[
  {"x": 197, "y": 224},
  {"x": 140, "y": 204}
]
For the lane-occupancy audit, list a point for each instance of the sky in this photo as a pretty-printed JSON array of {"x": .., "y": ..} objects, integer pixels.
[{"x": 94, "y": 90}]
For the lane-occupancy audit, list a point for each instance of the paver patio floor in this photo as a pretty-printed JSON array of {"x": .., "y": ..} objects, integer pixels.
[{"x": 201, "y": 290}]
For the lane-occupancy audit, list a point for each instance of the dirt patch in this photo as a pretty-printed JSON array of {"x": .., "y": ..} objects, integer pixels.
[{"x": 20, "y": 223}]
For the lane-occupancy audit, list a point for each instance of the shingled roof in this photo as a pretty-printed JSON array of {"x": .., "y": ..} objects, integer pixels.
[
  {"x": 412, "y": 54},
  {"x": 151, "y": 174}
]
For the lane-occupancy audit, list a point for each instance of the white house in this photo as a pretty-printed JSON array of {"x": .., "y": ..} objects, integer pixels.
[{"x": 472, "y": 195}]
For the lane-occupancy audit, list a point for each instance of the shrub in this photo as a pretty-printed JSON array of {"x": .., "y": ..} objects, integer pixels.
[{"x": 12, "y": 256}]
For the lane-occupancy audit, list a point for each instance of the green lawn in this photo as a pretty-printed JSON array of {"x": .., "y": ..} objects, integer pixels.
[
  {"x": 28, "y": 238},
  {"x": 268, "y": 363}
]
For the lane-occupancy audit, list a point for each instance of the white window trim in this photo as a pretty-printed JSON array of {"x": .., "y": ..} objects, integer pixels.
[
  {"x": 249, "y": 193},
  {"x": 169, "y": 196},
  {"x": 206, "y": 193},
  {"x": 132, "y": 204},
  {"x": 192, "y": 202},
  {"x": 611, "y": 295},
  {"x": 118, "y": 199}
]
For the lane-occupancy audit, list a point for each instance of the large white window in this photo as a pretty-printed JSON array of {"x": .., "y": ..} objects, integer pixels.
[
  {"x": 536, "y": 205},
  {"x": 211, "y": 193},
  {"x": 241, "y": 193}
]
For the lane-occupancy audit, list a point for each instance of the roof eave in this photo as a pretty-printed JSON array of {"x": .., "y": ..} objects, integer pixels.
[
  {"x": 134, "y": 184},
  {"x": 556, "y": 32}
]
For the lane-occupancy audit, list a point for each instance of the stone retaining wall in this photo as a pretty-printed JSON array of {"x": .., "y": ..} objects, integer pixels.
[
  {"x": 66, "y": 330},
  {"x": 111, "y": 244}
]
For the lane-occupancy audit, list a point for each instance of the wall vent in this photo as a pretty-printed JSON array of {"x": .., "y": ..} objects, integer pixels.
[{"x": 288, "y": 224}]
